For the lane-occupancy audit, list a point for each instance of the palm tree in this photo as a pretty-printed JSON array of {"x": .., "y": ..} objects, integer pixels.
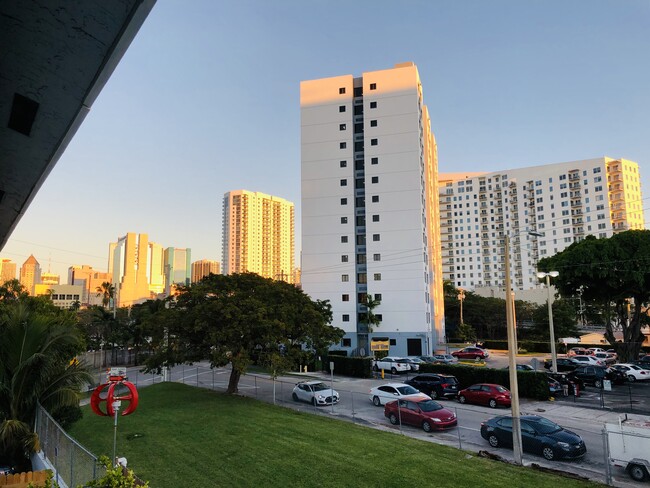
[
  {"x": 35, "y": 351},
  {"x": 107, "y": 292}
]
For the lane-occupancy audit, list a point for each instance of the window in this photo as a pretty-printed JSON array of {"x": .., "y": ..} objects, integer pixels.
[
  {"x": 344, "y": 239},
  {"x": 373, "y": 142},
  {"x": 378, "y": 297},
  {"x": 342, "y": 91},
  {"x": 341, "y": 108},
  {"x": 373, "y": 123},
  {"x": 393, "y": 342},
  {"x": 372, "y": 105},
  {"x": 344, "y": 201},
  {"x": 375, "y": 218},
  {"x": 346, "y": 343},
  {"x": 373, "y": 86},
  {"x": 344, "y": 182},
  {"x": 375, "y": 199},
  {"x": 346, "y": 317},
  {"x": 344, "y": 258},
  {"x": 362, "y": 278},
  {"x": 379, "y": 318},
  {"x": 377, "y": 276},
  {"x": 343, "y": 164},
  {"x": 375, "y": 237},
  {"x": 345, "y": 277},
  {"x": 374, "y": 161},
  {"x": 341, "y": 126},
  {"x": 375, "y": 179},
  {"x": 376, "y": 257},
  {"x": 345, "y": 298},
  {"x": 343, "y": 145},
  {"x": 344, "y": 220}
]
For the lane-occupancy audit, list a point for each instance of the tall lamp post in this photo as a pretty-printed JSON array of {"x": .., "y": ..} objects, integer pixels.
[
  {"x": 551, "y": 274},
  {"x": 461, "y": 297}
]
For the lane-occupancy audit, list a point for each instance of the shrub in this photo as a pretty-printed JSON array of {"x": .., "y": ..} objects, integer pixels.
[{"x": 355, "y": 366}]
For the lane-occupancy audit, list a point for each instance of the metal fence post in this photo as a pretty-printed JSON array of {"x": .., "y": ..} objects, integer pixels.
[
  {"x": 255, "y": 386},
  {"x": 399, "y": 416},
  {"x": 460, "y": 442},
  {"x": 213, "y": 378},
  {"x": 353, "y": 419},
  {"x": 197, "y": 376},
  {"x": 608, "y": 468},
  {"x": 183, "y": 373},
  {"x": 629, "y": 389}
]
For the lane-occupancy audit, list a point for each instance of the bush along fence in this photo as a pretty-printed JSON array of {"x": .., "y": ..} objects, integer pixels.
[{"x": 356, "y": 367}]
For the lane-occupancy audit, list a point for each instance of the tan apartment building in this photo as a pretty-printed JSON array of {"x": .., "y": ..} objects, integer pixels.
[
  {"x": 203, "y": 268},
  {"x": 30, "y": 274}
]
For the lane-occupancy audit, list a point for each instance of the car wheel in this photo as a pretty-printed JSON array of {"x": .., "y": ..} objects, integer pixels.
[
  {"x": 434, "y": 394},
  {"x": 637, "y": 472},
  {"x": 598, "y": 384},
  {"x": 462, "y": 399},
  {"x": 631, "y": 378},
  {"x": 492, "y": 403},
  {"x": 376, "y": 401},
  {"x": 493, "y": 440},
  {"x": 393, "y": 370},
  {"x": 426, "y": 426},
  {"x": 295, "y": 397},
  {"x": 548, "y": 453},
  {"x": 393, "y": 419}
]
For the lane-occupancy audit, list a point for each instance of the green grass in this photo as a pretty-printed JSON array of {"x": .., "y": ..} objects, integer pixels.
[{"x": 192, "y": 437}]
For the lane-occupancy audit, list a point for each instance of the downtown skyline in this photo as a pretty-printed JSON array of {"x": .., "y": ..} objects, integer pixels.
[{"x": 206, "y": 101}]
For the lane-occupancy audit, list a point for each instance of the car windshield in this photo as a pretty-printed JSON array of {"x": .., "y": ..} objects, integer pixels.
[
  {"x": 545, "y": 426},
  {"x": 429, "y": 406},
  {"x": 320, "y": 387},
  {"x": 407, "y": 390}
]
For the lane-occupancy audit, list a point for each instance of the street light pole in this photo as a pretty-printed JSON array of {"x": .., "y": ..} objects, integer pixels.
[
  {"x": 461, "y": 297},
  {"x": 512, "y": 364},
  {"x": 548, "y": 276}
]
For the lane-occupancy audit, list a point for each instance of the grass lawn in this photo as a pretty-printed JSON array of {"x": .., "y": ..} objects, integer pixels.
[{"x": 182, "y": 436}]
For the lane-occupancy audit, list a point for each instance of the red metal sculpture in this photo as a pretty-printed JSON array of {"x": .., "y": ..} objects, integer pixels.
[{"x": 116, "y": 379}]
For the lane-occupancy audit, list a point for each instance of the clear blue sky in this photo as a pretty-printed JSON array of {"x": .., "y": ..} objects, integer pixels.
[{"x": 206, "y": 100}]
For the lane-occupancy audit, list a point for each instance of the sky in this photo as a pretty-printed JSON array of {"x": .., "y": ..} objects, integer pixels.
[{"x": 207, "y": 100}]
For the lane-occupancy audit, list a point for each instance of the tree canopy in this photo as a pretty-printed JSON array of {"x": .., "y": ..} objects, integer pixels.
[
  {"x": 236, "y": 318},
  {"x": 614, "y": 273}
]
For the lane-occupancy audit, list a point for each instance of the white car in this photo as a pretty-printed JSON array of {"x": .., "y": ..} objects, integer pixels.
[
  {"x": 380, "y": 395},
  {"x": 633, "y": 372},
  {"x": 393, "y": 364},
  {"x": 589, "y": 360},
  {"x": 445, "y": 359},
  {"x": 594, "y": 350},
  {"x": 314, "y": 392}
]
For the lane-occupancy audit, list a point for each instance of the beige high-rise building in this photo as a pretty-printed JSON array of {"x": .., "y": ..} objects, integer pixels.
[
  {"x": 129, "y": 266},
  {"x": 258, "y": 235},
  {"x": 89, "y": 280},
  {"x": 203, "y": 268},
  {"x": 50, "y": 278},
  {"x": 156, "y": 268},
  {"x": 8, "y": 271},
  {"x": 30, "y": 274}
]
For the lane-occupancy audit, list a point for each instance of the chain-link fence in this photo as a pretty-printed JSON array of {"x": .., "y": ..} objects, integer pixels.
[{"x": 74, "y": 464}]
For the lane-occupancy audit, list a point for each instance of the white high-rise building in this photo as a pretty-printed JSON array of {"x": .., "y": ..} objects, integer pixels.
[
  {"x": 370, "y": 217},
  {"x": 564, "y": 202}
]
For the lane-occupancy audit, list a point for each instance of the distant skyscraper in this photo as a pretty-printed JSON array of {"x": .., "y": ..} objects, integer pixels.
[
  {"x": 8, "y": 271},
  {"x": 258, "y": 235},
  {"x": 156, "y": 268},
  {"x": 370, "y": 216},
  {"x": 30, "y": 274},
  {"x": 89, "y": 280},
  {"x": 203, "y": 268},
  {"x": 128, "y": 264},
  {"x": 564, "y": 202},
  {"x": 177, "y": 266}
]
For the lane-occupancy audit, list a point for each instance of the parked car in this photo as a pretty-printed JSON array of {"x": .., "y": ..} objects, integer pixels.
[
  {"x": 593, "y": 350},
  {"x": 427, "y": 414},
  {"x": 538, "y": 435},
  {"x": 471, "y": 353},
  {"x": 444, "y": 359},
  {"x": 380, "y": 395},
  {"x": 607, "y": 357},
  {"x": 414, "y": 363},
  {"x": 618, "y": 377},
  {"x": 644, "y": 361},
  {"x": 5, "y": 470},
  {"x": 522, "y": 367},
  {"x": 589, "y": 360},
  {"x": 555, "y": 387},
  {"x": 577, "y": 351},
  {"x": 314, "y": 392},
  {"x": 633, "y": 372},
  {"x": 393, "y": 364},
  {"x": 563, "y": 364},
  {"x": 485, "y": 394},
  {"x": 594, "y": 375},
  {"x": 435, "y": 385},
  {"x": 564, "y": 379}
]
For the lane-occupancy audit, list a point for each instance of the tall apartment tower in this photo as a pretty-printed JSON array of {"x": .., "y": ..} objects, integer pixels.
[
  {"x": 177, "y": 266},
  {"x": 8, "y": 271},
  {"x": 564, "y": 202},
  {"x": 370, "y": 215},
  {"x": 30, "y": 274},
  {"x": 203, "y": 268},
  {"x": 128, "y": 264},
  {"x": 258, "y": 235}
]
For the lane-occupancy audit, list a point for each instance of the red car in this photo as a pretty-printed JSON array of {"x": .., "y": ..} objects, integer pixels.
[
  {"x": 471, "y": 353},
  {"x": 424, "y": 413},
  {"x": 485, "y": 394}
]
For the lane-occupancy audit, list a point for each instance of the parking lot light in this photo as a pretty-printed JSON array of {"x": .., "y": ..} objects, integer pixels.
[{"x": 551, "y": 274}]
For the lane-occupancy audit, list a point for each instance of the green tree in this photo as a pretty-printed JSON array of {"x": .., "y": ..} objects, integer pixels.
[
  {"x": 611, "y": 272},
  {"x": 12, "y": 290},
  {"x": 107, "y": 292},
  {"x": 233, "y": 318},
  {"x": 35, "y": 352},
  {"x": 564, "y": 320}
]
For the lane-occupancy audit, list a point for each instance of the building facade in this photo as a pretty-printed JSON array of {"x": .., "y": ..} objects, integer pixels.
[
  {"x": 128, "y": 265},
  {"x": 63, "y": 296},
  {"x": 543, "y": 209},
  {"x": 156, "y": 268},
  {"x": 8, "y": 271},
  {"x": 30, "y": 274},
  {"x": 203, "y": 268},
  {"x": 50, "y": 278},
  {"x": 89, "y": 279},
  {"x": 258, "y": 235},
  {"x": 370, "y": 213},
  {"x": 178, "y": 267}
]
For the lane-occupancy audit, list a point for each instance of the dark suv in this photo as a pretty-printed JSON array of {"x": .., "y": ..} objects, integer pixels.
[
  {"x": 435, "y": 385},
  {"x": 594, "y": 375},
  {"x": 563, "y": 364}
]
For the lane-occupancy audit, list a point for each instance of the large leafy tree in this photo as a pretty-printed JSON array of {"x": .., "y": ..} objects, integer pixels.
[
  {"x": 234, "y": 318},
  {"x": 35, "y": 353},
  {"x": 564, "y": 320},
  {"x": 613, "y": 272}
]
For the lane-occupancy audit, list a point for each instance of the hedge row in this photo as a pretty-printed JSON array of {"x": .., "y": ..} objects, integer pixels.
[
  {"x": 355, "y": 367},
  {"x": 532, "y": 384}
]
